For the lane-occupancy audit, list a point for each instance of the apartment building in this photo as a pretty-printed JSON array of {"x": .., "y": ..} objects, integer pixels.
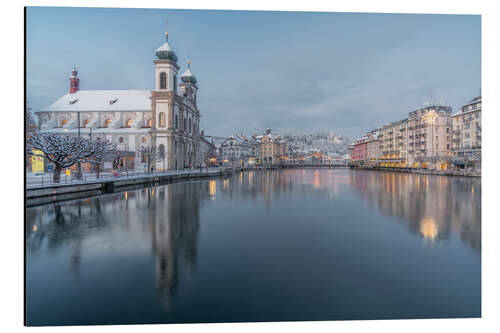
[
  {"x": 467, "y": 135},
  {"x": 429, "y": 137}
]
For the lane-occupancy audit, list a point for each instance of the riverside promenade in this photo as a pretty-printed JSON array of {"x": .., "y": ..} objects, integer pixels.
[{"x": 40, "y": 189}]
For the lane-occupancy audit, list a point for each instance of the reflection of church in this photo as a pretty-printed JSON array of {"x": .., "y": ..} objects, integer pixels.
[
  {"x": 166, "y": 118},
  {"x": 174, "y": 231}
]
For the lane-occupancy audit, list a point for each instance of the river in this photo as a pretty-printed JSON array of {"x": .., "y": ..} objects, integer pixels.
[{"x": 276, "y": 245}]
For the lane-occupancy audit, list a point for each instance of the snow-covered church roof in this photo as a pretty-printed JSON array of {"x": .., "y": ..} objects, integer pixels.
[{"x": 103, "y": 100}]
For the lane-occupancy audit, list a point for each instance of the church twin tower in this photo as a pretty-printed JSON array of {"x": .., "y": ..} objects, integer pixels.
[{"x": 176, "y": 118}]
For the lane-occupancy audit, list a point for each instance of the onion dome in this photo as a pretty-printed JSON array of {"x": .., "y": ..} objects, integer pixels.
[
  {"x": 165, "y": 51},
  {"x": 187, "y": 76}
]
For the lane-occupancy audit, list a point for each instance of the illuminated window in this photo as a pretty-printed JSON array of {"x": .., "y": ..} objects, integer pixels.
[
  {"x": 144, "y": 139},
  {"x": 64, "y": 122},
  {"x": 149, "y": 122},
  {"x": 128, "y": 124},
  {"x": 162, "y": 119},
  {"x": 107, "y": 122},
  {"x": 86, "y": 122}
]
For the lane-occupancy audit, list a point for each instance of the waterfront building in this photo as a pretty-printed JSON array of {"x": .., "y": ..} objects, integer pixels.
[
  {"x": 208, "y": 156},
  {"x": 393, "y": 144},
  {"x": 429, "y": 137},
  {"x": 359, "y": 151},
  {"x": 372, "y": 148},
  {"x": 235, "y": 151},
  {"x": 166, "y": 118},
  {"x": 272, "y": 150},
  {"x": 466, "y": 142}
]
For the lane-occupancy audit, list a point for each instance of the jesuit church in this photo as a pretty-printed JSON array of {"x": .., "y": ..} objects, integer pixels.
[{"x": 166, "y": 118}]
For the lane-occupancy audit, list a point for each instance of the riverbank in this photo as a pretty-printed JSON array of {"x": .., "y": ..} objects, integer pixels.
[
  {"x": 476, "y": 174},
  {"x": 40, "y": 194}
]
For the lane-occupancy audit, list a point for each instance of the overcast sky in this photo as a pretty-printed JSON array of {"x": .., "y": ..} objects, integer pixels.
[{"x": 346, "y": 72}]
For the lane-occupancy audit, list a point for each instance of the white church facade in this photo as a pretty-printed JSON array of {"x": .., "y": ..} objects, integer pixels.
[{"x": 166, "y": 118}]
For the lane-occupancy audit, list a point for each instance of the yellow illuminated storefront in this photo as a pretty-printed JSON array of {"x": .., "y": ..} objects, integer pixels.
[{"x": 37, "y": 161}]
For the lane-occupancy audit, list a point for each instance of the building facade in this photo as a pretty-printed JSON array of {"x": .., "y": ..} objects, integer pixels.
[
  {"x": 166, "y": 118},
  {"x": 466, "y": 142},
  {"x": 429, "y": 137}
]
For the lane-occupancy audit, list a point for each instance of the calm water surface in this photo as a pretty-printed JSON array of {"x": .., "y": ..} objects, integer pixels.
[{"x": 260, "y": 246}]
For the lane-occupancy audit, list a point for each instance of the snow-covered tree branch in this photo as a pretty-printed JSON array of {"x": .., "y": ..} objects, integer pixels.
[{"x": 66, "y": 151}]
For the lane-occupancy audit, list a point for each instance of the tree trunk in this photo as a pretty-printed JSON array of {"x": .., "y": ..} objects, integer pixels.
[
  {"x": 97, "y": 169},
  {"x": 57, "y": 174}
]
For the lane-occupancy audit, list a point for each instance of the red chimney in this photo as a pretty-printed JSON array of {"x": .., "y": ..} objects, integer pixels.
[{"x": 74, "y": 81}]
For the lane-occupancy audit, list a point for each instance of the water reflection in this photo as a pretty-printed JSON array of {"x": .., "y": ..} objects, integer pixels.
[
  {"x": 168, "y": 216},
  {"x": 229, "y": 248},
  {"x": 432, "y": 206}
]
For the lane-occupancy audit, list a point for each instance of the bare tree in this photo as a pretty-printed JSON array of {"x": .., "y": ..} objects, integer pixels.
[
  {"x": 66, "y": 151},
  {"x": 149, "y": 156}
]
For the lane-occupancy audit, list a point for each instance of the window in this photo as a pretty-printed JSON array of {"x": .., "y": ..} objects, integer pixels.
[
  {"x": 144, "y": 139},
  {"x": 163, "y": 80},
  {"x": 107, "y": 122},
  {"x": 185, "y": 124},
  {"x": 121, "y": 139},
  {"x": 149, "y": 123},
  {"x": 64, "y": 122},
  {"x": 85, "y": 123},
  {"x": 162, "y": 151},
  {"x": 190, "y": 125},
  {"x": 175, "y": 82},
  {"x": 176, "y": 121},
  {"x": 162, "y": 119},
  {"x": 175, "y": 147},
  {"x": 128, "y": 123}
]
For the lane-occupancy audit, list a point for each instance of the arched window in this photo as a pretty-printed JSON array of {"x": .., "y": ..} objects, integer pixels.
[
  {"x": 85, "y": 122},
  {"x": 190, "y": 125},
  {"x": 64, "y": 122},
  {"x": 162, "y": 119},
  {"x": 149, "y": 123},
  {"x": 163, "y": 80},
  {"x": 128, "y": 124},
  {"x": 175, "y": 82},
  {"x": 107, "y": 122},
  {"x": 121, "y": 139},
  {"x": 176, "y": 121},
  {"x": 144, "y": 139},
  {"x": 162, "y": 151}
]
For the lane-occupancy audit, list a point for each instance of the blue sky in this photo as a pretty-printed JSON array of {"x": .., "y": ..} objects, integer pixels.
[{"x": 347, "y": 72}]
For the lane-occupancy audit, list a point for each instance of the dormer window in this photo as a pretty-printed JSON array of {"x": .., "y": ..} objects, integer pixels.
[
  {"x": 73, "y": 101},
  {"x": 113, "y": 101}
]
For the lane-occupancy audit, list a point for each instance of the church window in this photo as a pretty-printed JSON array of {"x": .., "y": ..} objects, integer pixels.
[
  {"x": 121, "y": 139},
  {"x": 107, "y": 122},
  {"x": 149, "y": 123},
  {"x": 185, "y": 124},
  {"x": 64, "y": 122},
  {"x": 162, "y": 119},
  {"x": 86, "y": 122},
  {"x": 175, "y": 82},
  {"x": 144, "y": 139},
  {"x": 128, "y": 124},
  {"x": 176, "y": 121},
  {"x": 162, "y": 151},
  {"x": 163, "y": 80},
  {"x": 189, "y": 125}
]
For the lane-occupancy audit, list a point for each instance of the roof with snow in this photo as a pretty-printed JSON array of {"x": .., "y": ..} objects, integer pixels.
[
  {"x": 102, "y": 100},
  {"x": 166, "y": 52}
]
